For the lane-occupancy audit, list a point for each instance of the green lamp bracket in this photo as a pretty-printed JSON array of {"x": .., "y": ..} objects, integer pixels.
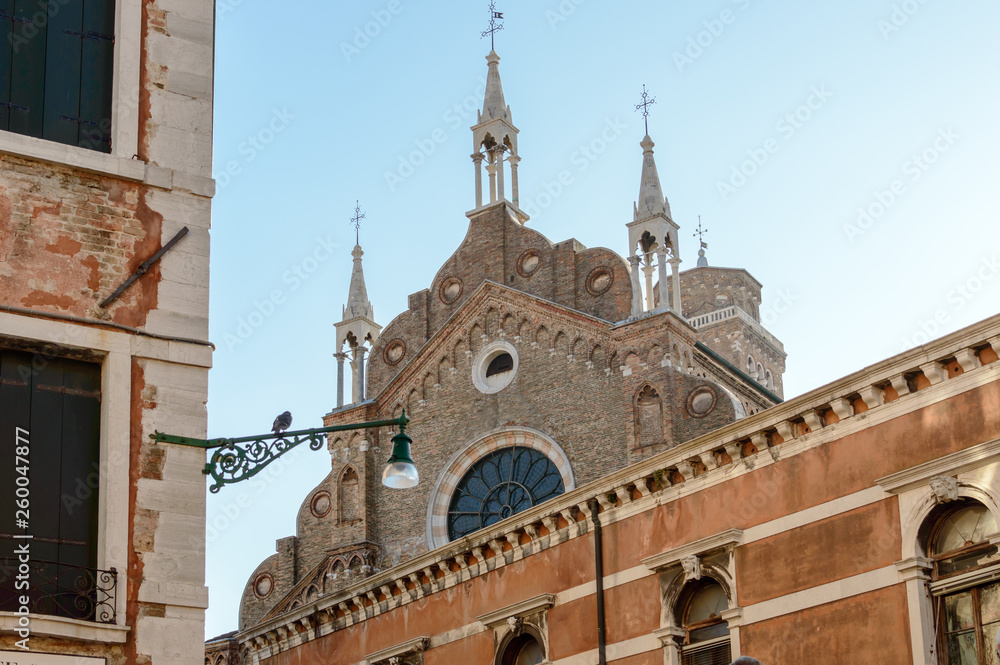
[{"x": 237, "y": 459}]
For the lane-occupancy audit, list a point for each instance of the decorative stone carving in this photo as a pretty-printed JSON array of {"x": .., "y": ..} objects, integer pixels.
[
  {"x": 515, "y": 624},
  {"x": 944, "y": 488},
  {"x": 692, "y": 568}
]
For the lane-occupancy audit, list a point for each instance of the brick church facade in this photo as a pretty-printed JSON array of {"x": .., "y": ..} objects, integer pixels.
[{"x": 608, "y": 470}]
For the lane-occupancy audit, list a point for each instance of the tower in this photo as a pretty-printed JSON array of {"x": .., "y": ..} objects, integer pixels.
[
  {"x": 652, "y": 232},
  {"x": 493, "y": 137},
  {"x": 356, "y": 327}
]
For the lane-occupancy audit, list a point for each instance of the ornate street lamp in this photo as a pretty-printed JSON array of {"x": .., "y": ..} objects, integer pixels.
[{"x": 233, "y": 462}]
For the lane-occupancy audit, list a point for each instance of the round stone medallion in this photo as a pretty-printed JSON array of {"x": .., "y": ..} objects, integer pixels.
[
  {"x": 451, "y": 289},
  {"x": 528, "y": 262},
  {"x": 701, "y": 401},
  {"x": 600, "y": 280},
  {"x": 394, "y": 351},
  {"x": 321, "y": 504},
  {"x": 263, "y": 585}
]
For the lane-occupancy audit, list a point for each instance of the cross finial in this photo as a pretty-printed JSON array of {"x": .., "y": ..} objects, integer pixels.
[
  {"x": 646, "y": 101},
  {"x": 356, "y": 222},
  {"x": 701, "y": 233},
  {"x": 494, "y": 26}
]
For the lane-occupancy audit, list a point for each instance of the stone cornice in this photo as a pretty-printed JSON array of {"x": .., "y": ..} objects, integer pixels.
[
  {"x": 726, "y": 539},
  {"x": 401, "y": 649},
  {"x": 952, "y": 464},
  {"x": 518, "y": 609}
]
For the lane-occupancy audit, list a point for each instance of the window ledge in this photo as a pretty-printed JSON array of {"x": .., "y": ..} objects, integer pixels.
[
  {"x": 73, "y": 629},
  {"x": 100, "y": 163}
]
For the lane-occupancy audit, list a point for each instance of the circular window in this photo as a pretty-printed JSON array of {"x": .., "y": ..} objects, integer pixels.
[
  {"x": 394, "y": 352},
  {"x": 701, "y": 401},
  {"x": 495, "y": 367},
  {"x": 501, "y": 484},
  {"x": 321, "y": 504},
  {"x": 263, "y": 585},
  {"x": 451, "y": 289},
  {"x": 600, "y": 280},
  {"x": 527, "y": 264}
]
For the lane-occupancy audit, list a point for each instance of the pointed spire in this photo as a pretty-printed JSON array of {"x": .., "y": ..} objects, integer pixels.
[
  {"x": 651, "y": 200},
  {"x": 357, "y": 297},
  {"x": 494, "y": 105}
]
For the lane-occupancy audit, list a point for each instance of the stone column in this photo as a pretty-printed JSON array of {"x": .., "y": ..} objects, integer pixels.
[
  {"x": 916, "y": 572},
  {"x": 499, "y": 159},
  {"x": 636, "y": 288},
  {"x": 661, "y": 269},
  {"x": 341, "y": 357},
  {"x": 491, "y": 168},
  {"x": 477, "y": 159},
  {"x": 361, "y": 372},
  {"x": 647, "y": 270},
  {"x": 675, "y": 265},
  {"x": 513, "y": 161},
  {"x": 355, "y": 364}
]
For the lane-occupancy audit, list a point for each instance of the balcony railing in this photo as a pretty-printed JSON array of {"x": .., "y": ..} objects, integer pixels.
[
  {"x": 58, "y": 589},
  {"x": 733, "y": 312}
]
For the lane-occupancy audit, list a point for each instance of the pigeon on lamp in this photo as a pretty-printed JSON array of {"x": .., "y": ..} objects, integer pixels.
[{"x": 282, "y": 422}]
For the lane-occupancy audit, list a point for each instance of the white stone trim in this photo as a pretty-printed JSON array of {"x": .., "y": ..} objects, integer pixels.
[
  {"x": 820, "y": 595},
  {"x": 483, "y": 360},
  {"x": 521, "y": 608},
  {"x": 957, "y": 462},
  {"x": 401, "y": 649},
  {"x": 461, "y": 461},
  {"x": 615, "y": 651},
  {"x": 727, "y": 539},
  {"x": 71, "y": 629}
]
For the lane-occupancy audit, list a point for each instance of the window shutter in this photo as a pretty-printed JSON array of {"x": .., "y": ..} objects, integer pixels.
[
  {"x": 58, "y": 402},
  {"x": 6, "y": 51},
  {"x": 62, "y": 73},
  {"x": 97, "y": 74},
  {"x": 715, "y": 652},
  {"x": 27, "y": 86}
]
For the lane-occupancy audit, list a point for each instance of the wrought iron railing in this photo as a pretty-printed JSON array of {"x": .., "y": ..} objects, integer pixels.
[{"x": 59, "y": 589}]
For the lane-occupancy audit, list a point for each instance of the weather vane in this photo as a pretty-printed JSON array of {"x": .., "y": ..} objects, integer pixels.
[
  {"x": 494, "y": 26},
  {"x": 646, "y": 101},
  {"x": 701, "y": 233},
  {"x": 356, "y": 222}
]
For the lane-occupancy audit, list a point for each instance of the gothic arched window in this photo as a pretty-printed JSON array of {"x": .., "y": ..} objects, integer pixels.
[
  {"x": 958, "y": 544},
  {"x": 706, "y": 638},
  {"x": 348, "y": 494},
  {"x": 648, "y": 417},
  {"x": 502, "y": 483}
]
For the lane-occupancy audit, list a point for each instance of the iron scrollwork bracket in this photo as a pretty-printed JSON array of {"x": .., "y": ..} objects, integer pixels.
[{"x": 236, "y": 459}]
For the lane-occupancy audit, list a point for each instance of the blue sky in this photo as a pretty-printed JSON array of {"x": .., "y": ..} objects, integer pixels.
[{"x": 843, "y": 153}]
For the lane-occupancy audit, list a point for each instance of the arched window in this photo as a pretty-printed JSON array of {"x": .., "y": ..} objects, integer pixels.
[
  {"x": 968, "y": 619},
  {"x": 648, "y": 417},
  {"x": 751, "y": 365},
  {"x": 350, "y": 508},
  {"x": 706, "y": 633},
  {"x": 768, "y": 380},
  {"x": 523, "y": 650}
]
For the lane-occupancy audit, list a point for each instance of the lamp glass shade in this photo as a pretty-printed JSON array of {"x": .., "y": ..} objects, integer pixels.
[
  {"x": 400, "y": 472},
  {"x": 400, "y": 475}
]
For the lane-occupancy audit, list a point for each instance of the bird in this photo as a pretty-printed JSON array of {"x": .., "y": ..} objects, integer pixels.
[{"x": 282, "y": 422}]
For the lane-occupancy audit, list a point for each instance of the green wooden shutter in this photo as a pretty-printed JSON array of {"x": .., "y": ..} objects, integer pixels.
[
  {"x": 27, "y": 71},
  {"x": 97, "y": 74},
  {"x": 63, "y": 51},
  {"x": 58, "y": 401},
  {"x": 6, "y": 51}
]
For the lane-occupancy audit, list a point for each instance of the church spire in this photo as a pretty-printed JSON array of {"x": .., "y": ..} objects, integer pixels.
[
  {"x": 357, "y": 327},
  {"x": 494, "y": 136},
  {"x": 652, "y": 234}
]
